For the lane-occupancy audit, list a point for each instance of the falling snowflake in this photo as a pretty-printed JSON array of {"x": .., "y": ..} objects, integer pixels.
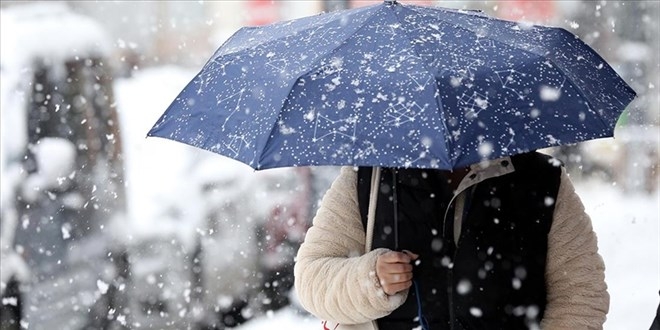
[
  {"x": 103, "y": 287},
  {"x": 549, "y": 94},
  {"x": 464, "y": 287},
  {"x": 476, "y": 312}
]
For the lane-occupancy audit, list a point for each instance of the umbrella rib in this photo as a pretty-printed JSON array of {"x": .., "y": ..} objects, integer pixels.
[
  {"x": 438, "y": 99},
  {"x": 313, "y": 66},
  {"x": 578, "y": 90},
  {"x": 473, "y": 32},
  {"x": 530, "y": 52},
  {"x": 588, "y": 100}
]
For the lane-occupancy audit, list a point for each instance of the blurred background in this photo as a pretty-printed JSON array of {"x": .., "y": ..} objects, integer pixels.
[{"x": 102, "y": 228}]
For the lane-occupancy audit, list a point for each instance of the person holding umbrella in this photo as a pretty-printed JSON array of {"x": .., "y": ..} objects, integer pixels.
[
  {"x": 444, "y": 216},
  {"x": 503, "y": 244}
]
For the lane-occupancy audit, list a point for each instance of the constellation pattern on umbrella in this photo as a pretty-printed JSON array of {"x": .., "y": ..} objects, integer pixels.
[
  {"x": 324, "y": 126},
  {"x": 367, "y": 150},
  {"x": 430, "y": 39},
  {"x": 236, "y": 143},
  {"x": 425, "y": 39},
  {"x": 210, "y": 74},
  {"x": 414, "y": 137},
  {"x": 389, "y": 29},
  {"x": 335, "y": 65},
  {"x": 418, "y": 78},
  {"x": 238, "y": 96},
  {"x": 202, "y": 81},
  {"x": 395, "y": 61},
  {"x": 510, "y": 77},
  {"x": 531, "y": 37},
  {"x": 530, "y": 47},
  {"x": 552, "y": 93},
  {"x": 422, "y": 155},
  {"x": 315, "y": 36},
  {"x": 402, "y": 113},
  {"x": 198, "y": 139},
  {"x": 485, "y": 42},
  {"x": 512, "y": 133},
  {"x": 415, "y": 28},
  {"x": 473, "y": 103},
  {"x": 282, "y": 66},
  {"x": 432, "y": 60},
  {"x": 464, "y": 66}
]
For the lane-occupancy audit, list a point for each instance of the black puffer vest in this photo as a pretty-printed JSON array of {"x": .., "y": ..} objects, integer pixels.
[{"x": 495, "y": 278}]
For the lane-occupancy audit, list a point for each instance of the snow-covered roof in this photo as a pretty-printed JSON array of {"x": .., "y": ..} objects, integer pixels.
[{"x": 48, "y": 30}]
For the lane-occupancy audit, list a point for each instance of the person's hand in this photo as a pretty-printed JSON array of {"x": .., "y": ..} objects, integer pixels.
[{"x": 394, "y": 271}]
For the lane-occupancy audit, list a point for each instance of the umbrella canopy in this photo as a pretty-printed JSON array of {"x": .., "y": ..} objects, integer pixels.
[{"x": 396, "y": 86}]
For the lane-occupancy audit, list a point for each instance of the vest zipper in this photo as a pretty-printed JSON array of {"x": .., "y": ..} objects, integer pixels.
[
  {"x": 452, "y": 317},
  {"x": 450, "y": 273}
]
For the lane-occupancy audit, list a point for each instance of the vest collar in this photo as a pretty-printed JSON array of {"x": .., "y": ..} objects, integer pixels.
[
  {"x": 478, "y": 172},
  {"x": 485, "y": 170}
]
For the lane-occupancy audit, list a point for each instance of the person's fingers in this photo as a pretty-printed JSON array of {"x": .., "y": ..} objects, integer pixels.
[
  {"x": 394, "y": 271},
  {"x": 398, "y": 278},
  {"x": 394, "y": 257},
  {"x": 397, "y": 268},
  {"x": 383, "y": 268},
  {"x": 395, "y": 288},
  {"x": 413, "y": 256}
]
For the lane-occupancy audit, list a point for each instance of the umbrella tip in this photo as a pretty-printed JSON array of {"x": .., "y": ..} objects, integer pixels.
[{"x": 390, "y": 2}]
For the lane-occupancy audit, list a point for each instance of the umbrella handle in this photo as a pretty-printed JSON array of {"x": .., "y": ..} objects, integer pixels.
[{"x": 371, "y": 213}]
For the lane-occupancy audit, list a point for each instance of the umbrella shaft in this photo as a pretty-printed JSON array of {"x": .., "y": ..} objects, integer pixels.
[{"x": 395, "y": 200}]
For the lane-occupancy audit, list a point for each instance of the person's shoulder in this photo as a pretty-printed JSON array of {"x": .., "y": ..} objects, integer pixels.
[{"x": 348, "y": 170}]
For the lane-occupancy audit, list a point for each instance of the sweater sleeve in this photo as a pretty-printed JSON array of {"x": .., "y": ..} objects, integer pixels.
[
  {"x": 575, "y": 272},
  {"x": 334, "y": 278}
]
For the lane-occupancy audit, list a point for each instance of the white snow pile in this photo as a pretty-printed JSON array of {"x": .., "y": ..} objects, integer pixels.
[{"x": 55, "y": 162}]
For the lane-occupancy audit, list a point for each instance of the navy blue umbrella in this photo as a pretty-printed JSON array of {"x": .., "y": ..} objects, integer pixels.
[{"x": 397, "y": 86}]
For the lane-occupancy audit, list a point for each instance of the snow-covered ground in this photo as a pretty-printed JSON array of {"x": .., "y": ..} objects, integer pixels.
[
  {"x": 628, "y": 225},
  {"x": 628, "y": 228}
]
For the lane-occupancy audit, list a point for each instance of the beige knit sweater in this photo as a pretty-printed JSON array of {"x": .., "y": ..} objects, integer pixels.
[{"x": 336, "y": 280}]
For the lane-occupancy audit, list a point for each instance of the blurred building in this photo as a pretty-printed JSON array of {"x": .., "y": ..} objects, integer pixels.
[{"x": 183, "y": 33}]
